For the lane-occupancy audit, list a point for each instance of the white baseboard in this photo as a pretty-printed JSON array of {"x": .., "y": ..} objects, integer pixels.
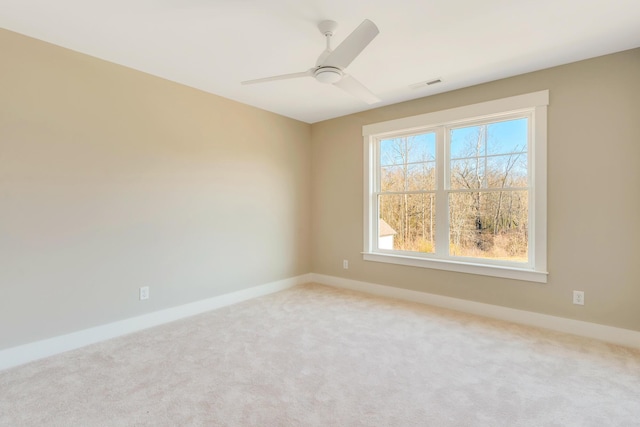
[
  {"x": 20, "y": 355},
  {"x": 40, "y": 349},
  {"x": 609, "y": 334}
]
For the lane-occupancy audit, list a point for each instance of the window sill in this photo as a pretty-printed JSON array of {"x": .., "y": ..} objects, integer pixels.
[{"x": 461, "y": 267}]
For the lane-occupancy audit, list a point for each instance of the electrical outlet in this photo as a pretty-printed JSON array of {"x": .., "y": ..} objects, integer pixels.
[
  {"x": 578, "y": 297},
  {"x": 144, "y": 293},
  {"x": 345, "y": 264}
]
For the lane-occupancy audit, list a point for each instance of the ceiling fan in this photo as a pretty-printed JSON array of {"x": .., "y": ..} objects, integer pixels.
[{"x": 331, "y": 64}]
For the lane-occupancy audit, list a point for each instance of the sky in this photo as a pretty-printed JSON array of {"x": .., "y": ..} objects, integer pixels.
[{"x": 503, "y": 139}]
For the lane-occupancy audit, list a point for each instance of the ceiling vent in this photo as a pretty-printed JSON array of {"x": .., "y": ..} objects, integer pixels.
[{"x": 426, "y": 83}]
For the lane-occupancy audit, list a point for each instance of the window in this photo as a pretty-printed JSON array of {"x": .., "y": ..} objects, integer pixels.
[{"x": 461, "y": 189}]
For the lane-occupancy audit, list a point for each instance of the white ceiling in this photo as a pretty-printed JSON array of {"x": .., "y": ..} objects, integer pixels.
[{"x": 213, "y": 45}]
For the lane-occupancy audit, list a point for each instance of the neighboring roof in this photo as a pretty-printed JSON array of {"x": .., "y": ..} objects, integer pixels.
[{"x": 385, "y": 229}]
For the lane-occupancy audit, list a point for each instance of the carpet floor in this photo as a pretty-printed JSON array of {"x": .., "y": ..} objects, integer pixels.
[{"x": 319, "y": 356}]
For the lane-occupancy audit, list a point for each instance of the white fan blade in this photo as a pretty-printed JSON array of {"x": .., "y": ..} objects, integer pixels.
[
  {"x": 352, "y": 46},
  {"x": 280, "y": 77},
  {"x": 355, "y": 88}
]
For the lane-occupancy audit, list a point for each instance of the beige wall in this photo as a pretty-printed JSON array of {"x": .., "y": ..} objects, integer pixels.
[
  {"x": 593, "y": 195},
  {"x": 111, "y": 179}
]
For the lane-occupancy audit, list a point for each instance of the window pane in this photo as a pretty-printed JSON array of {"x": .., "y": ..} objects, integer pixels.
[
  {"x": 407, "y": 222},
  {"x": 412, "y": 177},
  {"x": 467, "y": 142},
  {"x": 408, "y": 149},
  {"x": 467, "y": 174},
  {"x": 507, "y": 171},
  {"x": 507, "y": 137},
  {"x": 392, "y": 178},
  {"x": 489, "y": 225},
  {"x": 422, "y": 176}
]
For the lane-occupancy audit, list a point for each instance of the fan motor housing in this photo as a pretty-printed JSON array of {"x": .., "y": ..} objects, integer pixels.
[{"x": 328, "y": 74}]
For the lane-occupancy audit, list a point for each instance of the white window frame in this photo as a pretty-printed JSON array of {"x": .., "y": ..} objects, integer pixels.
[{"x": 531, "y": 105}]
